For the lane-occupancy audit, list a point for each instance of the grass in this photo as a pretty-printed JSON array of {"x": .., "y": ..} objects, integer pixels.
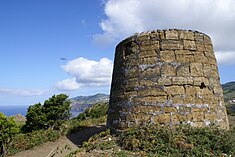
[
  {"x": 29, "y": 140},
  {"x": 95, "y": 115},
  {"x": 163, "y": 141}
]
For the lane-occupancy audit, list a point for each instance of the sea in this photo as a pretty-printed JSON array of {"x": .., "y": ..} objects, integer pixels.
[{"x": 14, "y": 110}]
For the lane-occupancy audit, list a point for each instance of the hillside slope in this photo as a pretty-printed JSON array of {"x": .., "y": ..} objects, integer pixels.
[
  {"x": 229, "y": 91},
  {"x": 80, "y": 103}
]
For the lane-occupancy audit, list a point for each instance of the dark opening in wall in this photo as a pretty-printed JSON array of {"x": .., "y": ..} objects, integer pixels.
[{"x": 202, "y": 85}]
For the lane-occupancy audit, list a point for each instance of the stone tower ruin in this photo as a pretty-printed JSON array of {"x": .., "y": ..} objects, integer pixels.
[{"x": 166, "y": 77}]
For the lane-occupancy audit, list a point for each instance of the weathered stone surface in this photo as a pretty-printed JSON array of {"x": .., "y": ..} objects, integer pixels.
[
  {"x": 171, "y": 45},
  {"x": 166, "y": 77},
  {"x": 186, "y": 35},
  {"x": 167, "y": 56},
  {"x": 189, "y": 45},
  {"x": 171, "y": 34}
]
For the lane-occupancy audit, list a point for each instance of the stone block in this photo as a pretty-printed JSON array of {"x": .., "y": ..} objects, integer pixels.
[
  {"x": 171, "y": 34},
  {"x": 171, "y": 45},
  {"x": 130, "y": 94},
  {"x": 168, "y": 70},
  {"x": 207, "y": 70},
  {"x": 148, "y": 54},
  {"x": 131, "y": 73},
  {"x": 142, "y": 37},
  {"x": 184, "y": 109},
  {"x": 200, "y": 57},
  {"x": 202, "y": 109},
  {"x": 153, "y": 46},
  {"x": 177, "y": 119},
  {"x": 131, "y": 63},
  {"x": 186, "y": 35},
  {"x": 148, "y": 61},
  {"x": 177, "y": 99},
  {"x": 184, "y": 56},
  {"x": 209, "y": 49},
  {"x": 154, "y": 35},
  {"x": 167, "y": 56},
  {"x": 199, "y": 37},
  {"x": 168, "y": 109},
  {"x": 175, "y": 90},
  {"x": 189, "y": 99},
  {"x": 131, "y": 84},
  {"x": 190, "y": 90},
  {"x": 196, "y": 69},
  {"x": 164, "y": 81},
  {"x": 146, "y": 83},
  {"x": 161, "y": 34},
  {"x": 183, "y": 70},
  {"x": 198, "y": 116},
  {"x": 151, "y": 72},
  {"x": 189, "y": 45},
  {"x": 157, "y": 91},
  {"x": 162, "y": 119},
  {"x": 207, "y": 39},
  {"x": 149, "y": 42},
  {"x": 200, "y": 46},
  {"x": 156, "y": 99},
  {"x": 179, "y": 80},
  {"x": 214, "y": 71},
  {"x": 146, "y": 109}
]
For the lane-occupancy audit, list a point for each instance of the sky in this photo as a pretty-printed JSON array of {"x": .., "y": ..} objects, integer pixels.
[{"x": 49, "y": 47}]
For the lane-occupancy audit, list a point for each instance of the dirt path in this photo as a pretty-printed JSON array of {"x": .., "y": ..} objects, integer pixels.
[{"x": 58, "y": 148}]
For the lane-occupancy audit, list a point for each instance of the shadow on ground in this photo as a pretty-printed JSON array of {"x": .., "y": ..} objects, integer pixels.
[{"x": 85, "y": 133}]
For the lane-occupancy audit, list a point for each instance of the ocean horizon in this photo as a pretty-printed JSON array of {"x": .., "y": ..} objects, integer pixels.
[{"x": 14, "y": 110}]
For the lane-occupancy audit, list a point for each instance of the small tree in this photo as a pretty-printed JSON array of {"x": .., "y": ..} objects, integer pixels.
[
  {"x": 51, "y": 114},
  {"x": 57, "y": 110},
  {"x": 36, "y": 119},
  {"x": 8, "y": 128}
]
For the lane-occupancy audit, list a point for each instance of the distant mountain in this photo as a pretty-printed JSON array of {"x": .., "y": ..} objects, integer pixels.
[
  {"x": 80, "y": 103},
  {"x": 229, "y": 91}
]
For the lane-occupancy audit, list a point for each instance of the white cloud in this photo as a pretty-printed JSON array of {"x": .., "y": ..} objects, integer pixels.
[
  {"x": 23, "y": 92},
  {"x": 68, "y": 84},
  {"x": 225, "y": 57},
  {"x": 86, "y": 73},
  {"x": 213, "y": 17}
]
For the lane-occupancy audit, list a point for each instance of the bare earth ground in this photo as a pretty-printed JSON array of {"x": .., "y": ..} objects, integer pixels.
[{"x": 58, "y": 148}]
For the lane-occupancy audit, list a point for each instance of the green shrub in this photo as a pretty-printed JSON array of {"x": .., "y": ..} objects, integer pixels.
[
  {"x": 8, "y": 129},
  {"x": 95, "y": 115},
  {"x": 52, "y": 114},
  {"x": 180, "y": 141},
  {"x": 29, "y": 140},
  {"x": 96, "y": 111}
]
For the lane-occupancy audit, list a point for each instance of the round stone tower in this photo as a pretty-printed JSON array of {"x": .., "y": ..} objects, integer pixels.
[{"x": 166, "y": 77}]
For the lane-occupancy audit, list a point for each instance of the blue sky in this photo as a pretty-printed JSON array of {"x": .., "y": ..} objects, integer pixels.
[{"x": 36, "y": 34}]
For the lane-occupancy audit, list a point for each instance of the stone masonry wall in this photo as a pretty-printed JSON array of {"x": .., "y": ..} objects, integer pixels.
[{"x": 166, "y": 77}]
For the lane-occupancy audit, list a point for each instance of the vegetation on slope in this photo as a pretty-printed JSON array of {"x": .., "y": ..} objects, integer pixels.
[
  {"x": 81, "y": 103},
  {"x": 52, "y": 114},
  {"x": 229, "y": 94},
  {"x": 161, "y": 141},
  {"x": 43, "y": 123},
  {"x": 229, "y": 91},
  {"x": 8, "y": 129},
  {"x": 94, "y": 115}
]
